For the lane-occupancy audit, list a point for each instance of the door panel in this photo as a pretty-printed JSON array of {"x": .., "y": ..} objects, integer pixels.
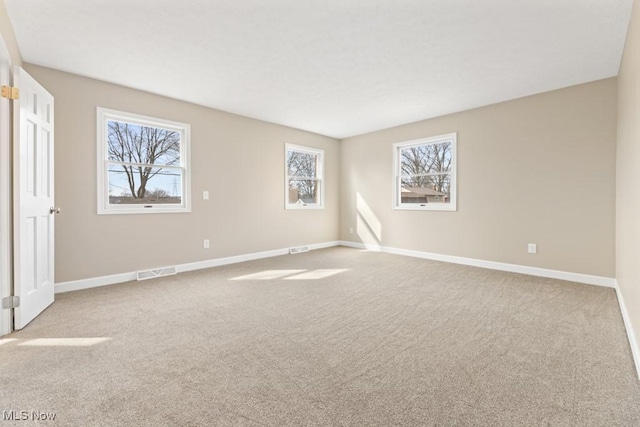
[{"x": 33, "y": 199}]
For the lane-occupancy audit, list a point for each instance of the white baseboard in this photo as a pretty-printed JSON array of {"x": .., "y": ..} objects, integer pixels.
[
  {"x": 635, "y": 350},
  {"x": 247, "y": 257},
  {"x": 534, "y": 271},
  {"x": 608, "y": 282},
  {"x": 94, "y": 282},
  {"x": 113, "y": 279}
]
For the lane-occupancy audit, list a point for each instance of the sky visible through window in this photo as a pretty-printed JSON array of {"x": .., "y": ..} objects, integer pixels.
[
  {"x": 143, "y": 164},
  {"x": 426, "y": 173},
  {"x": 302, "y": 169}
]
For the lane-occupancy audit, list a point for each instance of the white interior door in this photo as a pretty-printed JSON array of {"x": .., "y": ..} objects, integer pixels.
[{"x": 34, "y": 211}]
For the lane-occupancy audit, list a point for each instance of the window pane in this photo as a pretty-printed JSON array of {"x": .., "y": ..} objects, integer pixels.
[
  {"x": 304, "y": 191},
  {"x": 301, "y": 164},
  {"x": 131, "y": 143},
  {"x": 428, "y": 158},
  {"x": 426, "y": 189},
  {"x": 161, "y": 186}
]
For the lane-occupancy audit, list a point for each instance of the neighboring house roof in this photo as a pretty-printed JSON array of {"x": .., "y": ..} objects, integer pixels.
[{"x": 421, "y": 191}]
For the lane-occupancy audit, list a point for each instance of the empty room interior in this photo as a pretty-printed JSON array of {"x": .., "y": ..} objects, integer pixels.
[{"x": 320, "y": 213}]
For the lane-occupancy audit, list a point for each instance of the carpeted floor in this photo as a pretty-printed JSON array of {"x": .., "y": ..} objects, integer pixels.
[{"x": 331, "y": 337}]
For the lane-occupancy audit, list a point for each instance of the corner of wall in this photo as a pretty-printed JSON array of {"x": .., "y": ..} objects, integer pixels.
[
  {"x": 627, "y": 176},
  {"x": 8, "y": 36},
  {"x": 633, "y": 343}
]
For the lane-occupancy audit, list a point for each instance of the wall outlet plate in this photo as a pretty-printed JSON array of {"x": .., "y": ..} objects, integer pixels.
[{"x": 532, "y": 248}]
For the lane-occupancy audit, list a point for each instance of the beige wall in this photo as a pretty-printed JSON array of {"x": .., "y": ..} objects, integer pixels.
[
  {"x": 7, "y": 34},
  {"x": 628, "y": 175},
  {"x": 245, "y": 212},
  {"x": 540, "y": 169}
]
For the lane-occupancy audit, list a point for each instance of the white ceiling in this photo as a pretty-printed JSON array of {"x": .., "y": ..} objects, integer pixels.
[{"x": 335, "y": 67}]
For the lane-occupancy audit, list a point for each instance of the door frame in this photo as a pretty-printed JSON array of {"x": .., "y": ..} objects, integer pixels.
[{"x": 6, "y": 193}]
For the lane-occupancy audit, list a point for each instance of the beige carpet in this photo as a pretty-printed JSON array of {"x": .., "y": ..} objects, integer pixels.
[{"x": 331, "y": 337}]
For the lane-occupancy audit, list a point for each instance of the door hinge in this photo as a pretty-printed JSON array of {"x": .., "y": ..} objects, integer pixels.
[
  {"x": 10, "y": 302},
  {"x": 10, "y": 92}
]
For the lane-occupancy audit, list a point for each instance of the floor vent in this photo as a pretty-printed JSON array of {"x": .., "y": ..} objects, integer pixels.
[
  {"x": 157, "y": 272},
  {"x": 298, "y": 249}
]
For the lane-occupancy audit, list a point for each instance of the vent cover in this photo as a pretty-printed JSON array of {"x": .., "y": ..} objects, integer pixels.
[
  {"x": 298, "y": 249},
  {"x": 157, "y": 272}
]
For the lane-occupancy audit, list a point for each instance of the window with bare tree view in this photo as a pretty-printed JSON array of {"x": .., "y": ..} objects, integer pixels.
[
  {"x": 303, "y": 177},
  {"x": 144, "y": 163},
  {"x": 425, "y": 173}
]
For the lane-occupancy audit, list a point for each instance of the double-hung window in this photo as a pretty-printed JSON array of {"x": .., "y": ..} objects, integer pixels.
[
  {"x": 143, "y": 164},
  {"x": 304, "y": 187},
  {"x": 425, "y": 174}
]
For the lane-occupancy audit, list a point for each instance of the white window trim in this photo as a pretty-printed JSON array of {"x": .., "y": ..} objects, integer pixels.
[
  {"x": 319, "y": 176},
  {"x": 104, "y": 208},
  {"x": 397, "y": 203}
]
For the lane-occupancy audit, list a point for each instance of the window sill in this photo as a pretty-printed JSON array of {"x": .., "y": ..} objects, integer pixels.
[
  {"x": 136, "y": 211},
  {"x": 299, "y": 207},
  {"x": 431, "y": 207}
]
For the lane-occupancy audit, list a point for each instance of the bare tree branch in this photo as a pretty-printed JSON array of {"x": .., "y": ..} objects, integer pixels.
[{"x": 145, "y": 146}]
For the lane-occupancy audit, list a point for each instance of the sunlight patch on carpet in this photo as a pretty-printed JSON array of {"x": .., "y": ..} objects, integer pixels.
[
  {"x": 64, "y": 342},
  {"x": 268, "y": 275},
  {"x": 317, "y": 274}
]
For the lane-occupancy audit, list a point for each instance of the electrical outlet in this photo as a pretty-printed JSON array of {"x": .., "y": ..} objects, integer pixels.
[
  {"x": 205, "y": 195},
  {"x": 206, "y": 243},
  {"x": 533, "y": 248},
  {"x": 350, "y": 230}
]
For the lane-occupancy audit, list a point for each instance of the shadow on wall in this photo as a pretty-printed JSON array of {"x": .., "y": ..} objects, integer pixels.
[{"x": 368, "y": 225}]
